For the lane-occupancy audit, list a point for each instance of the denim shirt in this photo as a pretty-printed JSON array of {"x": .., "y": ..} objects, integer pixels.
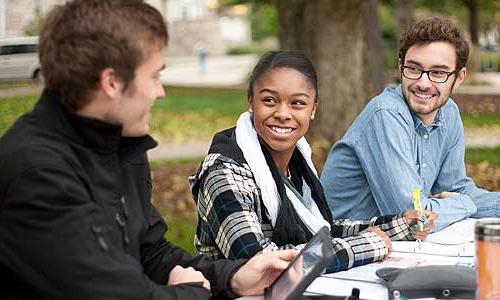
[{"x": 388, "y": 151}]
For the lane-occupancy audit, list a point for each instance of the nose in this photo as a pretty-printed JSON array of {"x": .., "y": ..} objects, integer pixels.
[
  {"x": 283, "y": 112},
  {"x": 424, "y": 82}
]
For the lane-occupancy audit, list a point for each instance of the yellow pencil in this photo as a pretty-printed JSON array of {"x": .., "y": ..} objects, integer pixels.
[{"x": 417, "y": 206}]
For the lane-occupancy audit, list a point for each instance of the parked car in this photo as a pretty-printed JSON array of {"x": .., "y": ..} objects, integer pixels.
[{"x": 19, "y": 59}]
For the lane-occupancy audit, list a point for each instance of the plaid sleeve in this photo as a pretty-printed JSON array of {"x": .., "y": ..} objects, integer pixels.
[
  {"x": 358, "y": 250},
  {"x": 345, "y": 228},
  {"x": 227, "y": 204},
  {"x": 395, "y": 226}
]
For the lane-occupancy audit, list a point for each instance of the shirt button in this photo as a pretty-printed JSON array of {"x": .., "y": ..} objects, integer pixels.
[
  {"x": 424, "y": 165},
  {"x": 426, "y": 136}
]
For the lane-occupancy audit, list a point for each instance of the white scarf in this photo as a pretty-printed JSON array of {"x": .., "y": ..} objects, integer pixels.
[{"x": 248, "y": 142}]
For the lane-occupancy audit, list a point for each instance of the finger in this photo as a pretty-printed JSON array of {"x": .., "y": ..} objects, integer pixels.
[
  {"x": 275, "y": 263},
  {"x": 287, "y": 255},
  {"x": 431, "y": 216},
  {"x": 389, "y": 244},
  {"x": 206, "y": 284}
]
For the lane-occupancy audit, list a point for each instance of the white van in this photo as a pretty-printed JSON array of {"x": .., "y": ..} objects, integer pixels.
[{"x": 19, "y": 59}]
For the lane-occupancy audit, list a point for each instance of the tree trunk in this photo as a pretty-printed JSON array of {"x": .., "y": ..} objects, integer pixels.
[
  {"x": 374, "y": 53},
  {"x": 474, "y": 63},
  {"x": 404, "y": 13},
  {"x": 333, "y": 35},
  {"x": 472, "y": 7}
]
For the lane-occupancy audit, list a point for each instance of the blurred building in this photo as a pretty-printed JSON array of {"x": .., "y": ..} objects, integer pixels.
[{"x": 192, "y": 23}]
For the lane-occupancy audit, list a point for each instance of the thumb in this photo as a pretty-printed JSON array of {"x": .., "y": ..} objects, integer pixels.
[
  {"x": 279, "y": 260},
  {"x": 287, "y": 255}
]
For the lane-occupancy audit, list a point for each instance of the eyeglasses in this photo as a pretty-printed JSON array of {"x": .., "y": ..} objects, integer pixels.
[{"x": 415, "y": 73}]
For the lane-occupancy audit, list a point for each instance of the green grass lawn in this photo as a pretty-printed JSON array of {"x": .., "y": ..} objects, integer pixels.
[
  {"x": 481, "y": 120},
  {"x": 185, "y": 114},
  {"x": 191, "y": 114},
  {"x": 479, "y": 155},
  {"x": 181, "y": 229},
  {"x": 12, "y": 108}
]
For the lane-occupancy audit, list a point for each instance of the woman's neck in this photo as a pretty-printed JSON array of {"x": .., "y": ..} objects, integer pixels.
[{"x": 281, "y": 160}]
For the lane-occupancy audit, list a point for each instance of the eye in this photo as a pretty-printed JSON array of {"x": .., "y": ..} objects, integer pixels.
[
  {"x": 269, "y": 100},
  {"x": 298, "y": 102},
  {"x": 413, "y": 69},
  {"x": 438, "y": 74}
]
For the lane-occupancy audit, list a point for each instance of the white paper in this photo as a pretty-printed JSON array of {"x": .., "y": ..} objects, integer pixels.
[
  {"x": 415, "y": 247},
  {"x": 343, "y": 287},
  {"x": 461, "y": 232}
]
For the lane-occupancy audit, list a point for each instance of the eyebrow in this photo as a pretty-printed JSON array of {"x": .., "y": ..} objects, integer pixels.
[
  {"x": 276, "y": 93},
  {"x": 432, "y": 67},
  {"x": 301, "y": 94},
  {"x": 268, "y": 90}
]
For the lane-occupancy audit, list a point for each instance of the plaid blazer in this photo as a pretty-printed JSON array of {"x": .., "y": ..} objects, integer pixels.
[{"x": 233, "y": 222}]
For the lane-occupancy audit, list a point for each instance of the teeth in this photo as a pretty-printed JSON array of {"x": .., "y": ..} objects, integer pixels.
[
  {"x": 281, "y": 130},
  {"x": 424, "y": 96}
]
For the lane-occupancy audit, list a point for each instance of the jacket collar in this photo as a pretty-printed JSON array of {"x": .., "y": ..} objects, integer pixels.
[
  {"x": 100, "y": 136},
  {"x": 224, "y": 143}
]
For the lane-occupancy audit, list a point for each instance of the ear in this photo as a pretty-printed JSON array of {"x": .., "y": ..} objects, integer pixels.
[
  {"x": 313, "y": 113},
  {"x": 109, "y": 83},
  {"x": 250, "y": 103},
  {"x": 460, "y": 77}
]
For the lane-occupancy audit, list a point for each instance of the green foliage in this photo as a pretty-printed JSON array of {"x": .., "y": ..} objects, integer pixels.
[
  {"x": 388, "y": 25},
  {"x": 481, "y": 120},
  {"x": 457, "y": 8},
  {"x": 263, "y": 17},
  {"x": 390, "y": 58},
  {"x": 490, "y": 61},
  {"x": 478, "y": 155},
  {"x": 264, "y": 21},
  {"x": 34, "y": 27}
]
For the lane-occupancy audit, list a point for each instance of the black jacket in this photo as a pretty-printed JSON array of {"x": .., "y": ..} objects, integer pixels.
[{"x": 76, "y": 221}]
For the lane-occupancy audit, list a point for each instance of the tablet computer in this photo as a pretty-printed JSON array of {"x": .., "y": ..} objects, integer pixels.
[{"x": 309, "y": 264}]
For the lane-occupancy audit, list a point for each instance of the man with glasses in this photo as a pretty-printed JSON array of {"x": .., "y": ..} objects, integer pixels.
[{"x": 410, "y": 137}]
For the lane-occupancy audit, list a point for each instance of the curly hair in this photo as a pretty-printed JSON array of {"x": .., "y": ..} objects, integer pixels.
[{"x": 432, "y": 30}]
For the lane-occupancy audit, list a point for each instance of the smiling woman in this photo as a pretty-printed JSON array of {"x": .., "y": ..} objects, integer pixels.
[{"x": 258, "y": 191}]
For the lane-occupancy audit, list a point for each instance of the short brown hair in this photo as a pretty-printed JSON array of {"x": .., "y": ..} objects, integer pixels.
[
  {"x": 433, "y": 30},
  {"x": 83, "y": 37}
]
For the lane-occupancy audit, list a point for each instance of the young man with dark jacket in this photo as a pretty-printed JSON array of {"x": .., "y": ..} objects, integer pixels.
[{"x": 76, "y": 221}]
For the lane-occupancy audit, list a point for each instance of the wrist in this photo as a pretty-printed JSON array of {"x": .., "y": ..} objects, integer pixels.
[
  {"x": 235, "y": 285},
  {"x": 235, "y": 289}
]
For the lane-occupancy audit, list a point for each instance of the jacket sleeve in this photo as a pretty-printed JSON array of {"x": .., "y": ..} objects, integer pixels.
[
  {"x": 159, "y": 257},
  {"x": 395, "y": 226},
  {"x": 228, "y": 201},
  {"x": 55, "y": 237},
  {"x": 232, "y": 218}
]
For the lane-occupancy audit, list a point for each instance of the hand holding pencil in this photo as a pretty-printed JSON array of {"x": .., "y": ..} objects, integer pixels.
[{"x": 415, "y": 217}]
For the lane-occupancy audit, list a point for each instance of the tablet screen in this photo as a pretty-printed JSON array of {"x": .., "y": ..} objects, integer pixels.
[{"x": 295, "y": 273}]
